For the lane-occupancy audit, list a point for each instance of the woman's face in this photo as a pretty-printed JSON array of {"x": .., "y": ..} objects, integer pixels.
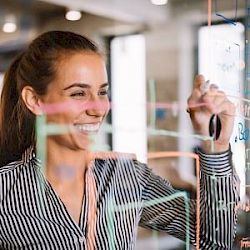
[{"x": 81, "y": 83}]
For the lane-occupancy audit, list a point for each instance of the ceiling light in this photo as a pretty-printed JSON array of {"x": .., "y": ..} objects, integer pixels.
[
  {"x": 159, "y": 2},
  {"x": 9, "y": 27},
  {"x": 73, "y": 15}
]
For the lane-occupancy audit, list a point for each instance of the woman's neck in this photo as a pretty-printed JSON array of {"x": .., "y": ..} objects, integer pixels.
[{"x": 66, "y": 166}]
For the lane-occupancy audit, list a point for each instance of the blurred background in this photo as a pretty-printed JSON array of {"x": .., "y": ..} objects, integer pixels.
[{"x": 154, "y": 48}]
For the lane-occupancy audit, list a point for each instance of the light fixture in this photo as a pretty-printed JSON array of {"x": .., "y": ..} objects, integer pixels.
[
  {"x": 159, "y": 2},
  {"x": 9, "y": 24},
  {"x": 9, "y": 27},
  {"x": 73, "y": 15}
]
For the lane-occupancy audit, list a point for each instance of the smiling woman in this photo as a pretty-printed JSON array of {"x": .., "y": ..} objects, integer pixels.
[{"x": 68, "y": 205}]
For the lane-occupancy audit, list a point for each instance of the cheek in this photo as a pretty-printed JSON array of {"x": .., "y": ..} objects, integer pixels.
[{"x": 61, "y": 118}]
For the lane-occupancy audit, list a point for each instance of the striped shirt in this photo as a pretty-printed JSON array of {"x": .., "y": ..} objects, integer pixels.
[{"x": 127, "y": 195}]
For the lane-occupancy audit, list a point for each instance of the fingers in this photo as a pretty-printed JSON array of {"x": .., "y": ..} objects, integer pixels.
[
  {"x": 227, "y": 108},
  {"x": 194, "y": 99},
  {"x": 217, "y": 102},
  {"x": 212, "y": 100},
  {"x": 200, "y": 98},
  {"x": 199, "y": 79}
]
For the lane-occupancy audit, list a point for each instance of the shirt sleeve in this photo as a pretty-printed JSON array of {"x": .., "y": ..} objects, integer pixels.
[{"x": 164, "y": 208}]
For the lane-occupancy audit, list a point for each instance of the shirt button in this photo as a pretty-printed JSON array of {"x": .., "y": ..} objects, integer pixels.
[{"x": 82, "y": 239}]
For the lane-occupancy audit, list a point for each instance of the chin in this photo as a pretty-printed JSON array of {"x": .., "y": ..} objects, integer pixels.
[
  {"x": 81, "y": 135},
  {"x": 82, "y": 141}
]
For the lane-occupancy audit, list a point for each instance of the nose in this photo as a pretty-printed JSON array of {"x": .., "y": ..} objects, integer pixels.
[{"x": 97, "y": 106}]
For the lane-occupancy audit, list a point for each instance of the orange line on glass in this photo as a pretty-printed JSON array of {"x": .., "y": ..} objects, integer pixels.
[
  {"x": 209, "y": 14},
  {"x": 164, "y": 154}
]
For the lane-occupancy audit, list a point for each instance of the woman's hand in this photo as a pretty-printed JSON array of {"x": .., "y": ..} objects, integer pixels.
[{"x": 202, "y": 106}]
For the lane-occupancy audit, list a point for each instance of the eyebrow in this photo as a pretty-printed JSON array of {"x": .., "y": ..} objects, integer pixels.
[{"x": 84, "y": 85}]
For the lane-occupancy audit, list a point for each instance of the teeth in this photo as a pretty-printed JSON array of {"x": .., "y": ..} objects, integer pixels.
[{"x": 87, "y": 127}]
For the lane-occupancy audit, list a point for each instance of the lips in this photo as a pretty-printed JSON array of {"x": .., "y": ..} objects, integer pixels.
[{"x": 87, "y": 128}]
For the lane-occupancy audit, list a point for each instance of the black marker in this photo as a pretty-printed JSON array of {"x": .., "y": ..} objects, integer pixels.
[
  {"x": 215, "y": 127},
  {"x": 215, "y": 122}
]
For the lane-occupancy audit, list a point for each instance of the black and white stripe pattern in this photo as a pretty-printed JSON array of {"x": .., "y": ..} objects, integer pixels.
[{"x": 32, "y": 216}]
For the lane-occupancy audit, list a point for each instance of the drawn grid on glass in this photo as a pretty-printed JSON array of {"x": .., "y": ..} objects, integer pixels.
[
  {"x": 168, "y": 154},
  {"x": 112, "y": 208}
]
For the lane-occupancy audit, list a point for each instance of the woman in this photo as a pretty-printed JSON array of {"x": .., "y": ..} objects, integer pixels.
[{"x": 53, "y": 211}]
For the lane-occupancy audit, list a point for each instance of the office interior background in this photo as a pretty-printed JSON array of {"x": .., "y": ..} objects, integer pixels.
[{"x": 154, "y": 49}]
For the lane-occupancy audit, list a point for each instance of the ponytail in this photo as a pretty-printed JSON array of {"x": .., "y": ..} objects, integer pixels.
[{"x": 12, "y": 141}]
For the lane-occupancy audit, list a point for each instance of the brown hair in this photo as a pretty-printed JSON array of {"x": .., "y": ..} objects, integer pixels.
[{"x": 35, "y": 67}]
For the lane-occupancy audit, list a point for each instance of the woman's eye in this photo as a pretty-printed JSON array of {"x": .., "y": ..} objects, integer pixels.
[
  {"x": 103, "y": 92},
  {"x": 78, "y": 94}
]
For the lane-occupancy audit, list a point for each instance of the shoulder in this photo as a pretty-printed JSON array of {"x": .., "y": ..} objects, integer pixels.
[
  {"x": 16, "y": 178},
  {"x": 11, "y": 167},
  {"x": 124, "y": 164},
  {"x": 28, "y": 159},
  {"x": 114, "y": 156},
  {"x": 9, "y": 179},
  {"x": 15, "y": 171},
  {"x": 115, "y": 164},
  {"x": 115, "y": 160}
]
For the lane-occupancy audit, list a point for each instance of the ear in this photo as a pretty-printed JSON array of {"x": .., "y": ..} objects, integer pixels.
[{"x": 32, "y": 100}]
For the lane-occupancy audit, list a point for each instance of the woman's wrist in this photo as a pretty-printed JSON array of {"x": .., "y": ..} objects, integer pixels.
[{"x": 210, "y": 147}]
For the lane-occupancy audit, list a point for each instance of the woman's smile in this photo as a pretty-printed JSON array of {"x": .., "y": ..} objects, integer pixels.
[{"x": 87, "y": 127}]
